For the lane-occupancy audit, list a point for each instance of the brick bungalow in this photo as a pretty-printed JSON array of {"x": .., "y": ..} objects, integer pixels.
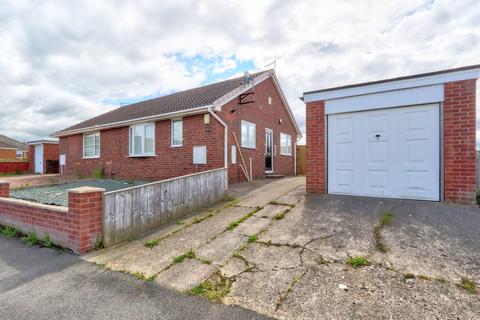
[
  {"x": 411, "y": 137},
  {"x": 244, "y": 124},
  {"x": 11, "y": 149}
]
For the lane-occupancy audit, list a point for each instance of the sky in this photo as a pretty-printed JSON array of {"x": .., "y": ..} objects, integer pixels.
[{"x": 62, "y": 62}]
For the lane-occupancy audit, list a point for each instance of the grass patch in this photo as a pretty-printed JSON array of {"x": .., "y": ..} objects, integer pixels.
[
  {"x": 180, "y": 222},
  {"x": 252, "y": 238},
  {"x": 8, "y": 232},
  {"x": 281, "y": 215},
  {"x": 47, "y": 242},
  {"x": 468, "y": 285},
  {"x": 357, "y": 262},
  {"x": 213, "y": 290},
  {"x": 30, "y": 239},
  {"x": 232, "y": 225},
  {"x": 187, "y": 255},
  {"x": 152, "y": 243}
]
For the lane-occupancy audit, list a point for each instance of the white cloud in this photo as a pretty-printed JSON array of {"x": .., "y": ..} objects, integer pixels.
[{"x": 60, "y": 60}]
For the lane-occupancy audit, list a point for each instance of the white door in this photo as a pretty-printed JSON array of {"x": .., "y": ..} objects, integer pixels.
[
  {"x": 392, "y": 153},
  {"x": 38, "y": 158}
]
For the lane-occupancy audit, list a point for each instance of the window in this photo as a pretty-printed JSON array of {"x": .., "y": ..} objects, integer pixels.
[
  {"x": 248, "y": 135},
  {"x": 142, "y": 140},
  {"x": 269, "y": 100},
  {"x": 285, "y": 144},
  {"x": 234, "y": 155},
  {"x": 91, "y": 145},
  {"x": 177, "y": 133},
  {"x": 19, "y": 154},
  {"x": 199, "y": 154}
]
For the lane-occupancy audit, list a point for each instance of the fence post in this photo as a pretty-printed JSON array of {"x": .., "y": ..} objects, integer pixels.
[
  {"x": 4, "y": 189},
  {"x": 85, "y": 211}
]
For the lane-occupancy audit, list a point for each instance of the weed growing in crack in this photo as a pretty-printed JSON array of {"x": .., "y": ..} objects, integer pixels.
[
  {"x": 441, "y": 280},
  {"x": 214, "y": 289},
  {"x": 152, "y": 243},
  {"x": 409, "y": 276},
  {"x": 47, "y": 242},
  {"x": 277, "y": 203},
  {"x": 143, "y": 276},
  {"x": 232, "y": 225},
  {"x": 424, "y": 277},
  {"x": 357, "y": 262},
  {"x": 30, "y": 239},
  {"x": 281, "y": 298},
  {"x": 468, "y": 285},
  {"x": 385, "y": 219},
  {"x": 229, "y": 198},
  {"x": 281, "y": 215},
  {"x": 252, "y": 238},
  {"x": 187, "y": 255}
]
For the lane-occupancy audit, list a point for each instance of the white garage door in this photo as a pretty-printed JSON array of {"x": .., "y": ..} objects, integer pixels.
[{"x": 390, "y": 153}]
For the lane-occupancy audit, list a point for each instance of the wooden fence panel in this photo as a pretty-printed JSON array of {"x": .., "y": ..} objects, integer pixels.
[{"x": 132, "y": 211}]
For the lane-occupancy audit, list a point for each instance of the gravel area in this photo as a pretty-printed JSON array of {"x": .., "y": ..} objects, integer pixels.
[{"x": 57, "y": 194}]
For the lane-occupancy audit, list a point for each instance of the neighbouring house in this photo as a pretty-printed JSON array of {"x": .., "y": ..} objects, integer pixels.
[
  {"x": 44, "y": 157},
  {"x": 411, "y": 137},
  {"x": 11, "y": 149},
  {"x": 244, "y": 124}
]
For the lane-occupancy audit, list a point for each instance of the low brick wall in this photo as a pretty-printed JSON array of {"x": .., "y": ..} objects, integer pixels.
[
  {"x": 14, "y": 166},
  {"x": 77, "y": 227}
]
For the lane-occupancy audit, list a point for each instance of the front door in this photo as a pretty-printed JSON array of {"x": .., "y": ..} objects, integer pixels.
[
  {"x": 38, "y": 158},
  {"x": 268, "y": 150}
]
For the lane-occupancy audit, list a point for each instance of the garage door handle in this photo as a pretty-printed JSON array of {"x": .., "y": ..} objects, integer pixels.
[{"x": 377, "y": 136}]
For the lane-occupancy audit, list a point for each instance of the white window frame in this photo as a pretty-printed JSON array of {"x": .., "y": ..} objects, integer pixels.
[
  {"x": 233, "y": 157},
  {"x": 94, "y": 134},
  {"x": 131, "y": 143},
  {"x": 199, "y": 155},
  {"x": 282, "y": 145},
  {"x": 172, "y": 144},
  {"x": 245, "y": 125}
]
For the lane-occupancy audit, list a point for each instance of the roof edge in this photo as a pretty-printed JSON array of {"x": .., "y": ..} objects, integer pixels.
[{"x": 416, "y": 80}]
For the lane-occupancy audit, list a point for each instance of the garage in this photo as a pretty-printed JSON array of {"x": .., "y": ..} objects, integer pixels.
[
  {"x": 411, "y": 137},
  {"x": 390, "y": 153}
]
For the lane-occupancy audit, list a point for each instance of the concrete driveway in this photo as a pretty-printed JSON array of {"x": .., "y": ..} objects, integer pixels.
[{"x": 286, "y": 255}]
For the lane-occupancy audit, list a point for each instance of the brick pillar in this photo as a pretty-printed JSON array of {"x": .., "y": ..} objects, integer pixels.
[
  {"x": 315, "y": 158},
  {"x": 4, "y": 189},
  {"x": 85, "y": 212},
  {"x": 460, "y": 156},
  {"x": 31, "y": 158}
]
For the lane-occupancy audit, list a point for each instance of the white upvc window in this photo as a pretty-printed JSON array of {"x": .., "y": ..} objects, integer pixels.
[
  {"x": 249, "y": 135},
  {"x": 91, "y": 145},
  {"x": 177, "y": 132},
  {"x": 285, "y": 144},
  {"x": 142, "y": 140}
]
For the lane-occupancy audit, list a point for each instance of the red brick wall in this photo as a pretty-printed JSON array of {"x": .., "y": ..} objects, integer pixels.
[
  {"x": 77, "y": 229},
  {"x": 8, "y": 154},
  {"x": 176, "y": 161},
  {"x": 14, "y": 166},
  {"x": 31, "y": 158},
  {"x": 50, "y": 152},
  {"x": 316, "y": 134},
  {"x": 460, "y": 180},
  {"x": 4, "y": 189},
  {"x": 169, "y": 161},
  {"x": 263, "y": 116}
]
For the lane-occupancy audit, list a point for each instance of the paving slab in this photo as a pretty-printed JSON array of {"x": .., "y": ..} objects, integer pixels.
[
  {"x": 290, "y": 199},
  {"x": 262, "y": 195},
  {"x": 269, "y": 211},
  {"x": 234, "y": 267},
  {"x": 252, "y": 226},
  {"x": 220, "y": 249},
  {"x": 335, "y": 292},
  {"x": 271, "y": 257},
  {"x": 185, "y": 275}
]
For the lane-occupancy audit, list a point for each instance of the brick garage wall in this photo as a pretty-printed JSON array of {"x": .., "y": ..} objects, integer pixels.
[
  {"x": 263, "y": 116},
  {"x": 77, "y": 227},
  {"x": 8, "y": 154},
  {"x": 169, "y": 161},
  {"x": 31, "y": 158},
  {"x": 14, "y": 166},
  {"x": 315, "y": 157},
  {"x": 460, "y": 177}
]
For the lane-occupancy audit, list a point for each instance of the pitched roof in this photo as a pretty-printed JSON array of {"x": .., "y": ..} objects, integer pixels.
[
  {"x": 179, "y": 101},
  {"x": 6, "y": 142}
]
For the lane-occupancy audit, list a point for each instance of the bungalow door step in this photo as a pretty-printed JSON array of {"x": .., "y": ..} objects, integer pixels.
[{"x": 274, "y": 176}]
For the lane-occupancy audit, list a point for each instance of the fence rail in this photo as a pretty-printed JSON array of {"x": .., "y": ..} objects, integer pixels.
[{"x": 132, "y": 211}]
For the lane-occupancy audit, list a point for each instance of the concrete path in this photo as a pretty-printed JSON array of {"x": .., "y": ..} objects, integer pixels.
[
  {"x": 286, "y": 255},
  {"x": 38, "y": 283}
]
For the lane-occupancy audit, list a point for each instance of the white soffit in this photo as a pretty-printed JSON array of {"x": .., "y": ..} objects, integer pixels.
[
  {"x": 413, "y": 82},
  {"x": 389, "y": 99}
]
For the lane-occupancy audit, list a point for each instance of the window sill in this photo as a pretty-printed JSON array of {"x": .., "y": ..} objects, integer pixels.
[
  {"x": 86, "y": 158},
  {"x": 176, "y": 146},
  {"x": 251, "y": 148},
  {"x": 286, "y": 155},
  {"x": 141, "y": 155}
]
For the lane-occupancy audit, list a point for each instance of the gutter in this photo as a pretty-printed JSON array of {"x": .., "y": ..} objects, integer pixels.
[{"x": 226, "y": 133}]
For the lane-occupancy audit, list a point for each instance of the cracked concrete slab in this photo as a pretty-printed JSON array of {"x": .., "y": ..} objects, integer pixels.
[
  {"x": 252, "y": 226},
  {"x": 186, "y": 275},
  {"x": 234, "y": 267},
  {"x": 220, "y": 249},
  {"x": 271, "y": 257},
  {"x": 289, "y": 199},
  {"x": 373, "y": 293}
]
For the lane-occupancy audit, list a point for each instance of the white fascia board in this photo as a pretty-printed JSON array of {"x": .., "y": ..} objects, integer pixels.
[
  {"x": 125, "y": 123},
  {"x": 393, "y": 85},
  {"x": 389, "y": 99}
]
